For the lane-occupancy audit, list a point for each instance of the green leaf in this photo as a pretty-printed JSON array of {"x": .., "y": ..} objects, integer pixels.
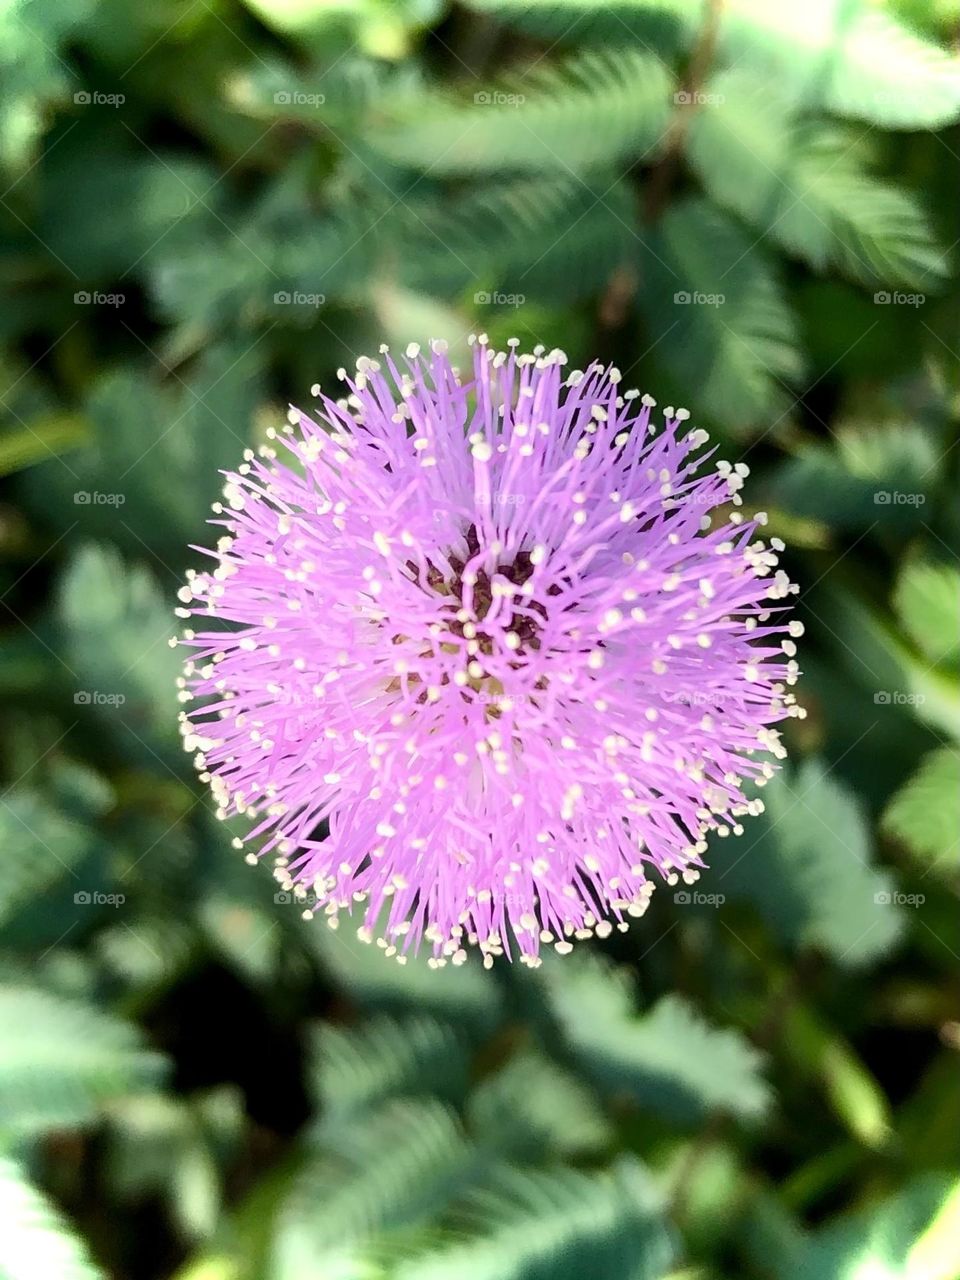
[
  {"x": 869, "y": 648},
  {"x": 60, "y": 1060},
  {"x": 874, "y": 474},
  {"x": 116, "y": 629},
  {"x": 810, "y": 870},
  {"x": 582, "y": 114},
  {"x": 148, "y": 952},
  {"x": 532, "y": 1109},
  {"x": 151, "y": 469},
  {"x": 898, "y": 454},
  {"x": 855, "y": 59},
  {"x": 925, "y": 814},
  {"x": 544, "y": 238},
  {"x": 36, "y": 1240},
  {"x": 665, "y": 25},
  {"x": 382, "y": 28},
  {"x": 395, "y": 1166},
  {"x": 851, "y": 58},
  {"x": 171, "y": 1146},
  {"x": 44, "y": 437},
  {"x": 725, "y": 329},
  {"x": 169, "y": 202},
  {"x": 354, "y": 1068},
  {"x": 853, "y": 1092},
  {"x": 467, "y": 996},
  {"x": 670, "y": 1060},
  {"x": 34, "y": 74},
  {"x": 805, "y": 186},
  {"x": 909, "y": 1236},
  {"x": 531, "y": 1224},
  {"x": 341, "y": 95},
  {"x": 49, "y": 846},
  {"x": 885, "y": 74},
  {"x": 814, "y": 484},
  {"x": 927, "y": 602}
]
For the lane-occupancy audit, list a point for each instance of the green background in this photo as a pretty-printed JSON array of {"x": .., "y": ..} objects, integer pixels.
[{"x": 208, "y": 206}]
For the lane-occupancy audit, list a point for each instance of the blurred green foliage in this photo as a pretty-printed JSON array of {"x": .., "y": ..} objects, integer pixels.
[{"x": 207, "y": 207}]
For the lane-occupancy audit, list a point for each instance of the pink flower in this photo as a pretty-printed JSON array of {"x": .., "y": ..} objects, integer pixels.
[{"x": 481, "y": 655}]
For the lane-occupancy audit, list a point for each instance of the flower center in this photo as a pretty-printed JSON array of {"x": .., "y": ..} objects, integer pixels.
[{"x": 465, "y": 622}]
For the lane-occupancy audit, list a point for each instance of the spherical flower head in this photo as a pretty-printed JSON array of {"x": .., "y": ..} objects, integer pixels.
[{"x": 485, "y": 658}]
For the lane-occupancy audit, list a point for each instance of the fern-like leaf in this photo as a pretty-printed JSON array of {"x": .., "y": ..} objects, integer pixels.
[
  {"x": 582, "y": 114},
  {"x": 810, "y": 871},
  {"x": 60, "y": 1060},
  {"x": 856, "y": 59},
  {"x": 725, "y": 327},
  {"x": 395, "y": 1167},
  {"x": 927, "y": 602},
  {"x": 467, "y": 996},
  {"x": 668, "y": 1060},
  {"x": 57, "y": 844},
  {"x": 386, "y": 1057},
  {"x": 805, "y": 186},
  {"x": 561, "y": 1224},
  {"x": 924, "y": 815},
  {"x": 533, "y": 1109},
  {"x": 117, "y": 626},
  {"x": 664, "y": 25},
  {"x": 548, "y": 239}
]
